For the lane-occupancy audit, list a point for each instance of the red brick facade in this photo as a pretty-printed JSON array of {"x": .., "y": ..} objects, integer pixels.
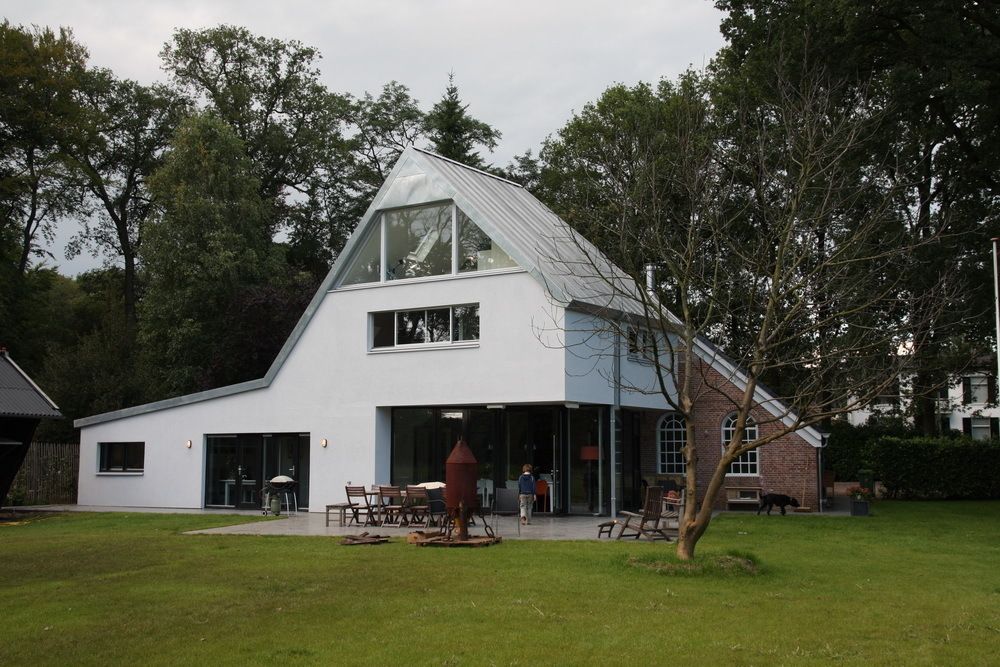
[{"x": 787, "y": 465}]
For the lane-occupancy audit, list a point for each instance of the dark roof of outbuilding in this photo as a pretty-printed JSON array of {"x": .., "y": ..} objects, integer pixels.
[{"x": 19, "y": 396}]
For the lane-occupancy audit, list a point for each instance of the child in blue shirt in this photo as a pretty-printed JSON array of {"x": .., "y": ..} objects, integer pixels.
[{"x": 526, "y": 492}]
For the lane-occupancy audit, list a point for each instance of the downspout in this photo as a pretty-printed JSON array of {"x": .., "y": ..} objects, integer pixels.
[{"x": 615, "y": 409}]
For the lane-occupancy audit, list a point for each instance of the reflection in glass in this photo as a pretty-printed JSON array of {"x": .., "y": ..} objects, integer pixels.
[
  {"x": 365, "y": 268},
  {"x": 439, "y": 325},
  {"x": 383, "y": 329},
  {"x": 476, "y": 250},
  {"x": 410, "y": 327},
  {"x": 418, "y": 242},
  {"x": 466, "y": 323},
  {"x": 414, "y": 459}
]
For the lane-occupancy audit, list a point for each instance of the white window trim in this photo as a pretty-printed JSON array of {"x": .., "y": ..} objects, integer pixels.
[
  {"x": 755, "y": 452},
  {"x": 414, "y": 347},
  {"x": 661, "y": 463}
]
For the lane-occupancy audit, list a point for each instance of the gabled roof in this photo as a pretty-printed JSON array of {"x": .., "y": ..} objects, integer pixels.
[
  {"x": 20, "y": 396},
  {"x": 572, "y": 270}
]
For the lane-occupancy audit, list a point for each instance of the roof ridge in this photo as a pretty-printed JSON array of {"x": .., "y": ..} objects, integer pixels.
[{"x": 465, "y": 166}]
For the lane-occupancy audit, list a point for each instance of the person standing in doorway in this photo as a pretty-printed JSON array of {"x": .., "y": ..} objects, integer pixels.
[{"x": 526, "y": 492}]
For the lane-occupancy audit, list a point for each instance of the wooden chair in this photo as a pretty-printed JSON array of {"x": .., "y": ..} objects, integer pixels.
[
  {"x": 416, "y": 509},
  {"x": 360, "y": 508},
  {"x": 650, "y": 523},
  {"x": 390, "y": 505}
]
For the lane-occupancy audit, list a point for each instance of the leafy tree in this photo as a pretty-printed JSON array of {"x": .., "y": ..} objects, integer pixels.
[
  {"x": 125, "y": 130},
  {"x": 207, "y": 243},
  {"x": 269, "y": 92},
  {"x": 39, "y": 73},
  {"x": 931, "y": 66},
  {"x": 455, "y": 134}
]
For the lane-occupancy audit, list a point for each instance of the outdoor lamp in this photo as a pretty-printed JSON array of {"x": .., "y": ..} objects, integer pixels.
[
  {"x": 187, "y": 444},
  {"x": 324, "y": 442}
]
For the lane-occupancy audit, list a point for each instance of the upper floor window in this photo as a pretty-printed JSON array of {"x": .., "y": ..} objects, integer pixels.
[
  {"x": 426, "y": 326},
  {"x": 419, "y": 241},
  {"x": 747, "y": 463},
  {"x": 979, "y": 389},
  {"x": 121, "y": 456},
  {"x": 671, "y": 436}
]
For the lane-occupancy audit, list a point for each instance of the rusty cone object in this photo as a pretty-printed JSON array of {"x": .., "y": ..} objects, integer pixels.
[{"x": 460, "y": 497}]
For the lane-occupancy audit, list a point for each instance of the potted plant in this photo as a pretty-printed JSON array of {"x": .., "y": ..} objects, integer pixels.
[{"x": 860, "y": 497}]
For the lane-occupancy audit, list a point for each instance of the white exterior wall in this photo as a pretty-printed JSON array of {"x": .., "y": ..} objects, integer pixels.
[{"x": 332, "y": 387}]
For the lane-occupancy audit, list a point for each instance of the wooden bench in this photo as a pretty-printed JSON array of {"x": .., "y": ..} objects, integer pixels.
[
  {"x": 740, "y": 497},
  {"x": 335, "y": 507}
]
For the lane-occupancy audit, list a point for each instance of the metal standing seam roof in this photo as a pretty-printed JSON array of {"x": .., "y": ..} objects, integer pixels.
[{"x": 19, "y": 396}]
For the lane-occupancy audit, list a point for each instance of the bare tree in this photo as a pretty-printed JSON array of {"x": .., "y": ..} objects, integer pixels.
[{"x": 751, "y": 225}]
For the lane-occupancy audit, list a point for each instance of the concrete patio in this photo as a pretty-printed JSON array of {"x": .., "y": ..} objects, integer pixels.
[{"x": 313, "y": 524}]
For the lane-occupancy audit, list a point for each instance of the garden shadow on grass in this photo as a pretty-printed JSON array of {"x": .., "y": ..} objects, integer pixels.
[{"x": 729, "y": 564}]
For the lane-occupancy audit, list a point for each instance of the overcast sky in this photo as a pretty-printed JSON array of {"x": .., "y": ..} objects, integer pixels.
[{"x": 523, "y": 67}]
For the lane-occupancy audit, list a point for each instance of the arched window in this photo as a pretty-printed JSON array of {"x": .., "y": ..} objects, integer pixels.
[
  {"x": 748, "y": 463},
  {"x": 671, "y": 436}
]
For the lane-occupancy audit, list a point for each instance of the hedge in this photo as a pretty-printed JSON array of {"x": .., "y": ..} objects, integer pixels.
[{"x": 925, "y": 468}]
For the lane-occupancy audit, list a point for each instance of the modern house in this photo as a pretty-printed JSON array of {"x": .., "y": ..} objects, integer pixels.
[
  {"x": 456, "y": 309},
  {"x": 22, "y": 406}
]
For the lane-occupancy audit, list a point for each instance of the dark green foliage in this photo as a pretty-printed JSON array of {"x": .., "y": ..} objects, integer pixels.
[
  {"x": 927, "y": 468},
  {"x": 454, "y": 133},
  {"x": 849, "y": 448}
]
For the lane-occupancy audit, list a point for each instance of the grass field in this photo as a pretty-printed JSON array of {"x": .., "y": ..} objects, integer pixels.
[{"x": 916, "y": 584}]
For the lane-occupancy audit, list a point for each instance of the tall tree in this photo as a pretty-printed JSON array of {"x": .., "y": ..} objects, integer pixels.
[
  {"x": 454, "y": 133},
  {"x": 124, "y": 131},
  {"x": 207, "y": 243},
  {"x": 931, "y": 63},
  {"x": 39, "y": 73},
  {"x": 270, "y": 94}
]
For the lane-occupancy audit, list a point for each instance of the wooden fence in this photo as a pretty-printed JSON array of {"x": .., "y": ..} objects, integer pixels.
[{"x": 48, "y": 476}]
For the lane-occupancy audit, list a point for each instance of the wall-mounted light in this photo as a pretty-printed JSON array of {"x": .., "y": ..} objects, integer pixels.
[
  {"x": 495, "y": 406},
  {"x": 324, "y": 442},
  {"x": 572, "y": 406},
  {"x": 188, "y": 443}
]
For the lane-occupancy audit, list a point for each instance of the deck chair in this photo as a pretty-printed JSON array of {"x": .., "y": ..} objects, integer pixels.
[
  {"x": 360, "y": 508},
  {"x": 416, "y": 510},
  {"x": 505, "y": 503},
  {"x": 651, "y": 522}
]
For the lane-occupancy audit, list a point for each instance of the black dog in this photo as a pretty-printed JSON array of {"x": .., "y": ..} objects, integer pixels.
[{"x": 781, "y": 500}]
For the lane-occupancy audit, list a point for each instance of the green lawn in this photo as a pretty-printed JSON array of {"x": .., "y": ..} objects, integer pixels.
[{"x": 918, "y": 583}]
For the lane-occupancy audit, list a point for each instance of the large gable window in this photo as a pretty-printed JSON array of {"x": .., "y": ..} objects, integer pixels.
[
  {"x": 476, "y": 250},
  {"x": 427, "y": 326},
  {"x": 671, "y": 436},
  {"x": 418, "y": 242}
]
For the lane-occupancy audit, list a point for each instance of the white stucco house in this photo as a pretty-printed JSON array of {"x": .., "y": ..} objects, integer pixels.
[{"x": 452, "y": 311}]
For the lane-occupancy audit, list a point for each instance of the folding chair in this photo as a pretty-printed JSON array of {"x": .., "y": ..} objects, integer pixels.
[
  {"x": 357, "y": 499},
  {"x": 390, "y": 505}
]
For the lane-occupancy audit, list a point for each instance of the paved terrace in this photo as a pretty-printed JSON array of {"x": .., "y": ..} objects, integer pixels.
[{"x": 313, "y": 524}]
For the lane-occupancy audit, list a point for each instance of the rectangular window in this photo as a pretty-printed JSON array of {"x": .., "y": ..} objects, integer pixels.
[
  {"x": 981, "y": 428},
  {"x": 431, "y": 326},
  {"x": 640, "y": 344},
  {"x": 976, "y": 389},
  {"x": 121, "y": 456}
]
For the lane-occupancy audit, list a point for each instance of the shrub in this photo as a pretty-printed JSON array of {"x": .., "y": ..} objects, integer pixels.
[
  {"x": 849, "y": 447},
  {"x": 927, "y": 468}
]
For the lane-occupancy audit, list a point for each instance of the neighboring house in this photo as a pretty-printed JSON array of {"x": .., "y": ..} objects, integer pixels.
[
  {"x": 967, "y": 404},
  {"x": 22, "y": 406},
  {"x": 453, "y": 311}
]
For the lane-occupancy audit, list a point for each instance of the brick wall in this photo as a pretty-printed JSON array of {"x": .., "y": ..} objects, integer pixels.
[{"x": 786, "y": 465}]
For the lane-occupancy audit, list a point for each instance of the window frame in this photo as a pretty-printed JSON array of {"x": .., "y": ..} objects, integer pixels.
[
  {"x": 670, "y": 456},
  {"x": 443, "y": 344},
  {"x": 749, "y": 461},
  {"x": 127, "y": 467},
  {"x": 378, "y": 229}
]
